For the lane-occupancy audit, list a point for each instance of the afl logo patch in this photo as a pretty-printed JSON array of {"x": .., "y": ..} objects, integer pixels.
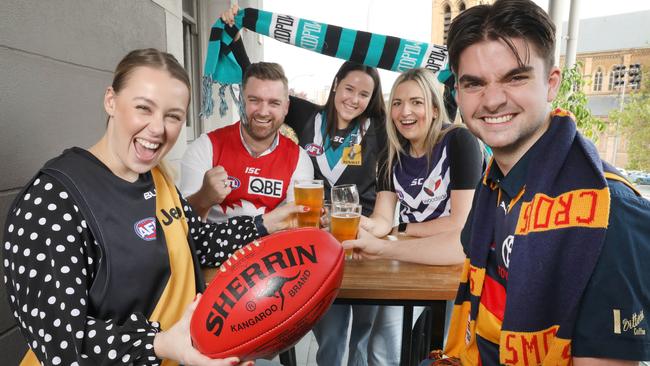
[
  {"x": 314, "y": 149},
  {"x": 146, "y": 229},
  {"x": 234, "y": 182}
]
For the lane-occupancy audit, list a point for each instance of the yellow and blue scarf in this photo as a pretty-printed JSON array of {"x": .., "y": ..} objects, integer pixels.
[{"x": 559, "y": 231}]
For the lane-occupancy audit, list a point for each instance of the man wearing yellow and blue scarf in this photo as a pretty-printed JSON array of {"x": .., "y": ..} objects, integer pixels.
[{"x": 556, "y": 238}]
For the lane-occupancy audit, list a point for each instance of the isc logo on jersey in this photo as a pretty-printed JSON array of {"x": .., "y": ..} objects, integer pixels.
[
  {"x": 265, "y": 187},
  {"x": 146, "y": 229}
]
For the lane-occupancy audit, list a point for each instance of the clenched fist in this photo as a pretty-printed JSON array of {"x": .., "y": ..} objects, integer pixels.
[
  {"x": 216, "y": 185},
  {"x": 215, "y": 188}
]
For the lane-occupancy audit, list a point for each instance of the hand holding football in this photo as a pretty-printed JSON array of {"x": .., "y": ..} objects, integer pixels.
[{"x": 268, "y": 295}]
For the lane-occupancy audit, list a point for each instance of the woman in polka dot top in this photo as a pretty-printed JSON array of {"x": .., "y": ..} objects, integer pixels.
[{"x": 101, "y": 256}]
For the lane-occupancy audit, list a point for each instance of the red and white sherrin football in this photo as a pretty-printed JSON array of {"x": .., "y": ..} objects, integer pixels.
[{"x": 268, "y": 295}]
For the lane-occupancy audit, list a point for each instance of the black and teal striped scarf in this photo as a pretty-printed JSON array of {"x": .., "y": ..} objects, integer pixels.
[{"x": 376, "y": 50}]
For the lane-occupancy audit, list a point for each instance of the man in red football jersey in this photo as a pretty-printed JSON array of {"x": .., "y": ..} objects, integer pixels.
[{"x": 247, "y": 168}]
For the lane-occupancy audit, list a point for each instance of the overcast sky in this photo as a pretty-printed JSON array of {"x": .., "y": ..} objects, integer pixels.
[{"x": 409, "y": 19}]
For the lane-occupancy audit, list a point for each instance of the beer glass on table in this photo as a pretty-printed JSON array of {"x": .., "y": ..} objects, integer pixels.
[
  {"x": 309, "y": 193},
  {"x": 344, "y": 223}
]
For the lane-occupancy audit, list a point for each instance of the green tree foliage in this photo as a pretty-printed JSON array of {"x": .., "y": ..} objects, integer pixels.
[
  {"x": 635, "y": 124},
  {"x": 570, "y": 97}
]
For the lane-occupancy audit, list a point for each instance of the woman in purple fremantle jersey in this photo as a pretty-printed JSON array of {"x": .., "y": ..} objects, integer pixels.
[{"x": 431, "y": 171}]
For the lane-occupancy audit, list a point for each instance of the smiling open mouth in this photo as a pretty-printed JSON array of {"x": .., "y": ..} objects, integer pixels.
[
  {"x": 350, "y": 107},
  {"x": 262, "y": 120},
  {"x": 498, "y": 119},
  {"x": 146, "y": 150},
  {"x": 407, "y": 122},
  {"x": 147, "y": 144}
]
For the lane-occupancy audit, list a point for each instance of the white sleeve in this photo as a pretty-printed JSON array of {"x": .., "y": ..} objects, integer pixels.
[
  {"x": 196, "y": 161},
  {"x": 304, "y": 170}
]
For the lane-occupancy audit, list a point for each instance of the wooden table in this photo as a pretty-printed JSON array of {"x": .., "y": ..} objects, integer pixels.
[{"x": 390, "y": 282}]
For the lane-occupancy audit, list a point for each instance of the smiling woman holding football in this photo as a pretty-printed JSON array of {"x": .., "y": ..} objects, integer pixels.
[{"x": 101, "y": 253}]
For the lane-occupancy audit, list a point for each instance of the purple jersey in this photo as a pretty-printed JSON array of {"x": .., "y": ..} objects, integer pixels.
[{"x": 423, "y": 189}]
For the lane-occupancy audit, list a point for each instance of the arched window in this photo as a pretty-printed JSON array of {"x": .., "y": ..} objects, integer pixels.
[
  {"x": 461, "y": 7},
  {"x": 447, "y": 17},
  {"x": 610, "y": 83},
  {"x": 598, "y": 80}
]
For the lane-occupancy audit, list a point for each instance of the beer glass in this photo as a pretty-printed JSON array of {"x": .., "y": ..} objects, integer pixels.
[
  {"x": 345, "y": 193},
  {"x": 344, "y": 223},
  {"x": 309, "y": 193}
]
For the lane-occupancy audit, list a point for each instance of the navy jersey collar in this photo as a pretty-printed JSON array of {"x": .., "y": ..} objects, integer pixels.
[{"x": 512, "y": 183}]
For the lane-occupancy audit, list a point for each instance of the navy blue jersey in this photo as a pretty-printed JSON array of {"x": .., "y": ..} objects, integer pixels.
[{"x": 604, "y": 328}]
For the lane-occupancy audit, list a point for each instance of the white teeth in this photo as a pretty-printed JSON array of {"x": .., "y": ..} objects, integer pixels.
[
  {"x": 500, "y": 119},
  {"x": 262, "y": 120},
  {"x": 147, "y": 144},
  {"x": 408, "y": 121}
]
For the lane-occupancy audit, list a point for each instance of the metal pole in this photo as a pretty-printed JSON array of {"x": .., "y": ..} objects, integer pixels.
[
  {"x": 572, "y": 36},
  {"x": 618, "y": 120},
  {"x": 556, "y": 10}
]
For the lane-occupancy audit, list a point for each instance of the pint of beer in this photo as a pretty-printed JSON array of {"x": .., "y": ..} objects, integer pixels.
[
  {"x": 309, "y": 193},
  {"x": 344, "y": 223}
]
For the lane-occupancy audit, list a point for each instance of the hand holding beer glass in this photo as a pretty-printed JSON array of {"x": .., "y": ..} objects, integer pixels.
[
  {"x": 344, "y": 223},
  {"x": 345, "y": 213},
  {"x": 309, "y": 193}
]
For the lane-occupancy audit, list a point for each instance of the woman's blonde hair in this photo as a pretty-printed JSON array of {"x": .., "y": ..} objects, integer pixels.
[{"x": 427, "y": 82}]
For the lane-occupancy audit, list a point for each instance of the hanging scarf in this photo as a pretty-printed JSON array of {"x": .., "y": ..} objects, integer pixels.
[
  {"x": 180, "y": 289},
  {"x": 559, "y": 230},
  {"x": 376, "y": 50}
]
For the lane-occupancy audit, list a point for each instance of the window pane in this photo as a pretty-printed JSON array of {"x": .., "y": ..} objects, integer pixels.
[
  {"x": 447, "y": 22},
  {"x": 610, "y": 85},
  {"x": 193, "y": 68},
  {"x": 189, "y": 8}
]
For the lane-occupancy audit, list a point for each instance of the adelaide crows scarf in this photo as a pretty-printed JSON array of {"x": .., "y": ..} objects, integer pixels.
[
  {"x": 559, "y": 230},
  {"x": 384, "y": 52}
]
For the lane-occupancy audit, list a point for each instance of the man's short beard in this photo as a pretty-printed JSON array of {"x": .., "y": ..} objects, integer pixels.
[{"x": 249, "y": 130}]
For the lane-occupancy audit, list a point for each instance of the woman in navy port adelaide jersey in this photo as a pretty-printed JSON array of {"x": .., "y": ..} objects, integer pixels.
[
  {"x": 101, "y": 253},
  {"x": 432, "y": 169}
]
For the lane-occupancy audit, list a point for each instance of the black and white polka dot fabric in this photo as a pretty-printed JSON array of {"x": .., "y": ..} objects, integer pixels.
[{"x": 50, "y": 260}]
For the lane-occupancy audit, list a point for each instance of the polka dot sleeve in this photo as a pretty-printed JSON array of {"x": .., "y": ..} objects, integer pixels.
[
  {"x": 216, "y": 242},
  {"x": 50, "y": 258}
]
